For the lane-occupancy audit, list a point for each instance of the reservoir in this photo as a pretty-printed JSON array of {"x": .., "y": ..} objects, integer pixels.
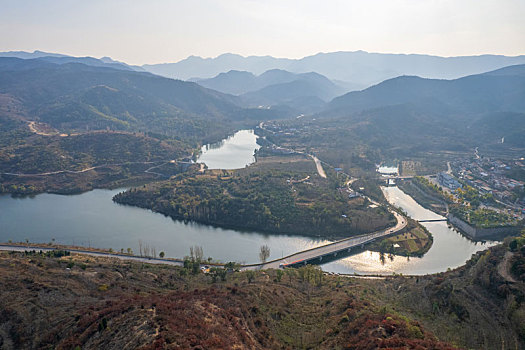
[{"x": 92, "y": 219}]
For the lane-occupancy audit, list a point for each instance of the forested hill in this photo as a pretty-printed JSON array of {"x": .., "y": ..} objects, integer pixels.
[
  {"x": 73, "y": 96},
  {"x": 408, "y": 114},
  {"x": 241, "y": 82},
  {"x": 497, "y": 91}
]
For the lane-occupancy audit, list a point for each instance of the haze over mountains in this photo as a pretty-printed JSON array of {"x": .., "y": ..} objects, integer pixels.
[
  {"x": 351, "y": 70},
  {"x": 500, "y": 90},
  {"x": 358, "y": 69},
  {"x": 72, "y": 93}
]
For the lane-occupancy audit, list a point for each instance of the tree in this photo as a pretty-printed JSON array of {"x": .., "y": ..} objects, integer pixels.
[
  {"x": 250, "y": 275},
  {"x": 279, "y": 276},
  {"x": 196, "y": 253},
  {"x": 161, "y": 254},
  {"x": 264, "y": 254},
  {"x": 291, "y": 274}
]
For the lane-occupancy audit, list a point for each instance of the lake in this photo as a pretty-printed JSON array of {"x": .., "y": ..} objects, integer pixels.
[{"x": 92, "y": 219}]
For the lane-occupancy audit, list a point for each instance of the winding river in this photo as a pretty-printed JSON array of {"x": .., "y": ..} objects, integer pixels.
[{"x": 93, "y": 219}]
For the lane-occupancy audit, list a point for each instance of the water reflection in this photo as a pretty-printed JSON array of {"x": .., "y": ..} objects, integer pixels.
[
  {"x": 449, "y": 250},
  {"x": 235, "y": 152},
  {"x": 93, "y": 219}
]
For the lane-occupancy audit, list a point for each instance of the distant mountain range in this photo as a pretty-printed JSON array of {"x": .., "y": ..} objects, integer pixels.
[
  {"x": 87, "y": 93},
  {"x": 356, "y": 70},
  {"x": 351, "y": 71},
  {"x": 60, "y": 59}
]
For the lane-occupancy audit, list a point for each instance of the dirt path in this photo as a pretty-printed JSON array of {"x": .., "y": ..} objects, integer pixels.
[
  {"x": 84, "y": 170},
  {"x": 319, "y": 167},
  {"x": 33, "y": 127},
  {"x": 504, "y": 266},
  {"x": 154, "y": 167}
]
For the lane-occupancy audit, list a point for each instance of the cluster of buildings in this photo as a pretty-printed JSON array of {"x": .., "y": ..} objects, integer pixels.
[
  {"x": 490, "y": 176},
  {"x": 448, "y": 181}
]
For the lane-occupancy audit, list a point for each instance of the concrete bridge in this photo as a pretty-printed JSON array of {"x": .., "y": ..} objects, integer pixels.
[
  {"x": 331, "y": 250},
  {"x": 433, "y": 220}
]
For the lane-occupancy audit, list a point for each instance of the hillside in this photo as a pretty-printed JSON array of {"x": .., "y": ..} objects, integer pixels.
[
  {"x": 74, "y": 96},
  {"x": 129, "y": 305},
  {"x": 51, "y": 300},
  {"x": 72, "y": 127},
  {"x": 490, "y": 92},
  {"x": 304, "y": 93},
  {"x": 242, "y": 82},
  {"x": 414, "y": 117}
]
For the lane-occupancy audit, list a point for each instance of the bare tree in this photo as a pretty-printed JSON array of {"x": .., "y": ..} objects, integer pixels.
[
  {"x": 198, "y": 253},
  {"x": 264, "y": 254}
]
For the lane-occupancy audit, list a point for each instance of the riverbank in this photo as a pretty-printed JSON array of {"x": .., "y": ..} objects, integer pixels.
[
  {"x": 95, "y": 252},
  {"x": 413, "y": 241},
  {"x": 423, "y": 198}
]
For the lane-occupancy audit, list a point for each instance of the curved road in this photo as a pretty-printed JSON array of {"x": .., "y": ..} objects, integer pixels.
[{"x": 332, "y": 249}]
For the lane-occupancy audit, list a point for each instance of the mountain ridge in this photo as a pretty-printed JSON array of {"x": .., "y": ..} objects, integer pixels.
[
  {"x": 360, "y": 68},
  {"x": 473, "y": 93}
]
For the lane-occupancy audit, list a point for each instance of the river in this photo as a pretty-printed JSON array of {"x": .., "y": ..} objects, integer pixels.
[
  {"x": 449, "y": 250},
  {"x": 93, "y": 219},
  {"x": 234, "y": 152}
]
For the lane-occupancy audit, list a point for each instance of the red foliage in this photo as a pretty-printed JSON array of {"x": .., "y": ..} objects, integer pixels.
[{"x": 375, "y": 331}]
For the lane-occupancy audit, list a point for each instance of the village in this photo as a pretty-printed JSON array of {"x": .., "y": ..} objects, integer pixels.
[{"x": 503, "y": 180}]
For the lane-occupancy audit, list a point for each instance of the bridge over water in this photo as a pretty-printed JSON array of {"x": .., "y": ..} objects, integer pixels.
[{"x": 331, "y": 250}]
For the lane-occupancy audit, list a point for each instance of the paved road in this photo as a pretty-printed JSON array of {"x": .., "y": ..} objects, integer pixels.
[
  {"x": 330, "y": 249},
  {"x": 17, "y": 248}
]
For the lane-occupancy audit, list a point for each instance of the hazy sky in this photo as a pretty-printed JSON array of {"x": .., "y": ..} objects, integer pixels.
[{"x": 154, "y": 31}]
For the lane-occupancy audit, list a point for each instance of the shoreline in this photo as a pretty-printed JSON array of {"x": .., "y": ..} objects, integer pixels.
[{"x": 101, "y": 253}]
